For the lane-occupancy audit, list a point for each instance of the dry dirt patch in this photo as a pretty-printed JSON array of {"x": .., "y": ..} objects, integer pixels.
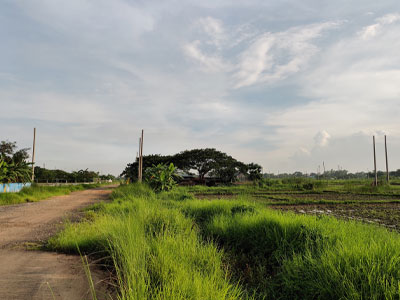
[{"x": 43, "y": 275}]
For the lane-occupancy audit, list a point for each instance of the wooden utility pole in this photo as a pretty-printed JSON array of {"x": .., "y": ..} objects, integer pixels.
[
  {"x": 33, "y": 154},
  {"x": 387, "y": 164},
  {"x": 376, "y": 174},
  {"x": 139, "y": 178},
  {"x": 141, "y": 157}
]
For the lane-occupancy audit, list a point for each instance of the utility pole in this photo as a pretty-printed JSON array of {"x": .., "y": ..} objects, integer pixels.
[
  {"x": 141, "y": 158},
  {"x": 140, "y": 169},
  {"x": 387, "y": 164},
  {"x": 33, "y": 154},
  {"x": 376, "y": 174},
  {"x": 140, "y": 142}
]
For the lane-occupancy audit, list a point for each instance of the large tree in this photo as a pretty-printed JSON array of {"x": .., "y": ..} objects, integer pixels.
[
  {"x": 9, "y": 152},
  {"x": 227, "y": 169},
  {"x": 204, "y": 162},
  {"x": 201, "y": 160}
]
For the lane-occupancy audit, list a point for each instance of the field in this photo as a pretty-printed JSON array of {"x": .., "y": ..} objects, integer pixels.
[
  {"x": 237, "y": 243},
  {"x": 347, "y": 199}
]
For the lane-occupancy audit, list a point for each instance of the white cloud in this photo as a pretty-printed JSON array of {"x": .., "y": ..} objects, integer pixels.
[
  {"x": 322, "y": 138},
  {"x": 372, "y": 30},
  {"x": 214, "y": 29},
  {"x": 275, "y": 56},
  {"x": 267, "y": 58},
  {"x": 208, "y": 63}
]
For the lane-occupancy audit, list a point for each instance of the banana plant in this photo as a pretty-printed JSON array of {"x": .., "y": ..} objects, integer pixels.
[
  {"x": 3, "y": 171},
  {"x": 14, "y": 171},
  {"x": 161, "y": 177}
]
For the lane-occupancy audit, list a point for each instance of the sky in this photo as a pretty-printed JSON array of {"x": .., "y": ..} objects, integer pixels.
[{"x": 286, "y": 84}]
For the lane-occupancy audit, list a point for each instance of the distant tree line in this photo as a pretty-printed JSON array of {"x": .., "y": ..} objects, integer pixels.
[
  {"x": 51, "y": 176},
  {"x": 335, "y": 174},
  {"x": 202, "y": 163}
]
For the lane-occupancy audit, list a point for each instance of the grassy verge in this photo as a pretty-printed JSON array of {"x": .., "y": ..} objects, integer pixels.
[
  {"x": 37, "y": 193},
  {"x": 157, "y": 253},
  {"x": 172, "y": 246}
]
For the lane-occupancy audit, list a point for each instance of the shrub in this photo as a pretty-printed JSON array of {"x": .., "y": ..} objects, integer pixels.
[{"x": 161, "y": 177}]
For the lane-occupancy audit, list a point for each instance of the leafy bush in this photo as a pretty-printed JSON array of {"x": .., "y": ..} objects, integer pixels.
[
  {"x": 161, "y": 177},
  {"x": 19, "y": 171}
]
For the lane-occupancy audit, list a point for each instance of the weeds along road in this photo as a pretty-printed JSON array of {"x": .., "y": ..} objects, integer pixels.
[{"x": 31, "y": 274}]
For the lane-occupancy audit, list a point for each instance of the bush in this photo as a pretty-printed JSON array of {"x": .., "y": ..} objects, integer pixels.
[{"x": 161, "y": 177}]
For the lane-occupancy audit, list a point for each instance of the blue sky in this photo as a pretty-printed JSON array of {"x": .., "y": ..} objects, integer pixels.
[{"x": 286, "y": 84}]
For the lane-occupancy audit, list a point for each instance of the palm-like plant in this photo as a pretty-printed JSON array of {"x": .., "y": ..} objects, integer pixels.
[
  {"x": 161, "y": 177},
  {"x": 3, "y": 170},
  {"x": 15, "y": 171}
]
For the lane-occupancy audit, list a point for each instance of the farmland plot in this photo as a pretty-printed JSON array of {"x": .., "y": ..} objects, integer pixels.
[{"x": 171, "y": 245}]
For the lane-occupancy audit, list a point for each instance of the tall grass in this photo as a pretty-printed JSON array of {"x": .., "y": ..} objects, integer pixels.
[
  {"x": 156, "y": 250},
  {"x": 171, "y": 246},
  {"x": 36, "y": 193},
  {"x": 287, "y": 256}
]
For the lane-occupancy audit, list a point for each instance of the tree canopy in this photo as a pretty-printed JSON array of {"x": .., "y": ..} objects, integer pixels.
[
  {"x": 46, "y": 175},
  {"x": 205, "y": 162}
]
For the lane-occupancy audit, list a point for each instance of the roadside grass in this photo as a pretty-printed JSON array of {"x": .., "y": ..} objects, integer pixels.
[
  {"x": 172, "y": 246},
  {"x": 156, "y": 250},
  {"x": 36, "y": 193}
]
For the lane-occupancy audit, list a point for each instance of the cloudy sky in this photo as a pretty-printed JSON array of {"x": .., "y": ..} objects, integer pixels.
[{"x": 287, "y": 84}]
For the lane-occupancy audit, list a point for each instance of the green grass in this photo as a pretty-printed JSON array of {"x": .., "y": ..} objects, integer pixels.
[
  {"x": 36, "y": 193},
  {"x": 156, "y": 250},
  {"x": 301, "y": 186},
  {"x": 287, "y": 256},
  {"x": 172, "y": 246}
]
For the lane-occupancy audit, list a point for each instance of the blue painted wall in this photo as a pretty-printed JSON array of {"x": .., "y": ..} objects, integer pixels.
[{"x": 12, "y": 187}]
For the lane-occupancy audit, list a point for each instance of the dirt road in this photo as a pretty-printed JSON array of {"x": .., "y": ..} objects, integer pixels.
[{"x": 26, "y": 274}]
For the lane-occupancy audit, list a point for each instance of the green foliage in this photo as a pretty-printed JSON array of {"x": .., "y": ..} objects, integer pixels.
[
  {"x": 291, "y": 183},
  {"x": 9, "y": 152},
  {"x": 156, "y": 251},
  {"x": 161, "y": 177},
  {"x": 207, "y": 161},
  {"x": 254, "y": 171},
  {"x": 13, "y": 165},
  {"x": 286, "y": 256},
  {"x": 15, "y": 171},
  {"x": 47, "y": 175},
  {"x": 3, "y": 170},
  {"x": 165, "y": 246},
  {"x": 131, "y": 170}
]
